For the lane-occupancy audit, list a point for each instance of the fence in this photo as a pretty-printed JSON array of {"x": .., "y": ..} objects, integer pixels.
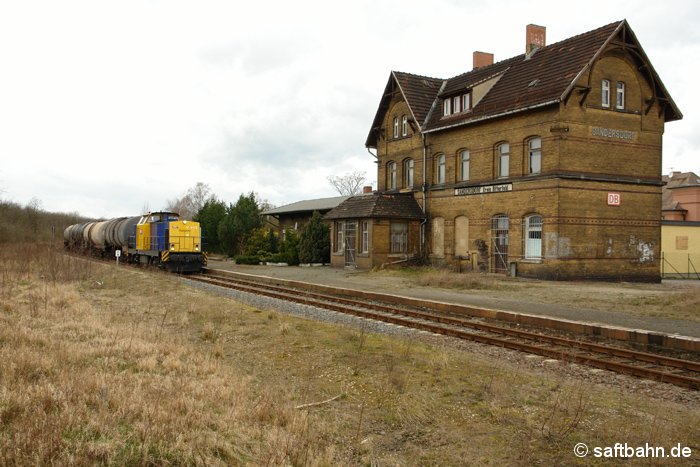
[{"x": 677, "y": 265}]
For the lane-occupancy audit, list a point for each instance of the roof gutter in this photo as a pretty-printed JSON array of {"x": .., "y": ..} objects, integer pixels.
[{"x": 489, "y": 117}]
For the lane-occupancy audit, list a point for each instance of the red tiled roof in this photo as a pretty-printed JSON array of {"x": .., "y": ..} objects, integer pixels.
[
  {"x": 385, "y": 206},
  {"x": 545, "y": 77},
  {"x": 420, "y": 91}
]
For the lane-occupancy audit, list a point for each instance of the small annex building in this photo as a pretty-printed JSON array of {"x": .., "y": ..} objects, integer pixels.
[
  {"x": 375, "y": 229},
  {"x": 295, "y": 216},
  {"x": 545, "y": 165},
  {"x": 680, "y": 226}
]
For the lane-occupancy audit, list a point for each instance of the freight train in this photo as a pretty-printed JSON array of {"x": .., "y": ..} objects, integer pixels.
[{"x": 155, "y": 238}]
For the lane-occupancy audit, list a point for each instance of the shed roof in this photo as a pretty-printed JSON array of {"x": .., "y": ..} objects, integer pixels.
[
  {"x": 384, "y": 206},
  {"x": 310, "y": 205}
]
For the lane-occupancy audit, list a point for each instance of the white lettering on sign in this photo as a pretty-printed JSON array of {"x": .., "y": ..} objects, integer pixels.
[
  {"x": 611, "y": 133},
  {"x": 478, "y": 190},
  {"x": 613, "y": 199}
]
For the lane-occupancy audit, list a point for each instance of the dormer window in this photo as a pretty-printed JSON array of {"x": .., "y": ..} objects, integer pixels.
[
  {"x": 466, "y": 101},
  {"x": 447, "y": 107},
  {"x": 456, "y": 104}
]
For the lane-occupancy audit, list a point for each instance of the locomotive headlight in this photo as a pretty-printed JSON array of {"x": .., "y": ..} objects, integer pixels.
[{"x": 196, "y": 248}]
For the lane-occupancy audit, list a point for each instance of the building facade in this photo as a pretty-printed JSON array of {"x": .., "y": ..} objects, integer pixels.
[
  {"x": 372, "y": 230},
  {"x": 680, "y": 227},
  {"x": 545, "y": 165}
]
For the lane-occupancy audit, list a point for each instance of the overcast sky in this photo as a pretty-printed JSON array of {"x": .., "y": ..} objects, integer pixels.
[{"x": 106, "y": 107}]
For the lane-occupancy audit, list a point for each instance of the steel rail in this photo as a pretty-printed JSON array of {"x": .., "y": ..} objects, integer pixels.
[{"x": 451, "y": 327}]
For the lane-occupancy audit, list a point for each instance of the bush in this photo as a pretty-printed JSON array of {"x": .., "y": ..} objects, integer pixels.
[
  {"x": 289, "y": 248},
  {"x": 278, "y": 258},
  {"x": 247, "y": 259},
  {"x": 315, "y": 241},
  {"x": 261, "y": 242}
]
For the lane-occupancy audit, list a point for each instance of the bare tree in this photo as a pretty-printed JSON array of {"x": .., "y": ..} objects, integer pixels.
[
  {"x": 349, "y": 184},
  {"x": 191, "y": 202}
]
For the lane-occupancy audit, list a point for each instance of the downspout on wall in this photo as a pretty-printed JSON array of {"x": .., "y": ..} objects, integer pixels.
[{"x": 424, "y": 187}]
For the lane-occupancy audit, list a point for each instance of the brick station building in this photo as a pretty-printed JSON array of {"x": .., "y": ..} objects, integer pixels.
[{"x": 544, "y": 165}]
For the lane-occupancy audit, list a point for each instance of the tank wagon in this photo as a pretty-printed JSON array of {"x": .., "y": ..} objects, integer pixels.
[{"x": 157, "y": 238}]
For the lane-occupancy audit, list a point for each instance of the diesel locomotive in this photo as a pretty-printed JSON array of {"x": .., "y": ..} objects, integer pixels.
[{"x": 156, "y": 238}]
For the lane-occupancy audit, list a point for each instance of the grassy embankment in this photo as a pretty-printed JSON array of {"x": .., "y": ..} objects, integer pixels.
[{"x": 110, "y": 365}]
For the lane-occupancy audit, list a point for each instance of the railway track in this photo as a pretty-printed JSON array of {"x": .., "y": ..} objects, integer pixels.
[{"x": 680, "y": 372}]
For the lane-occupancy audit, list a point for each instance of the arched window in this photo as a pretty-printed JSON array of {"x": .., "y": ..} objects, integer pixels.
[
  {"x": 464, "y": 164},
  {"x": 408, "y": 173},
  {"x": 534, "y": 155},
  {"x": 440, "y": 169},
  {"x": 391, "y": 175},
  {"x": 503, "y": 160},
  {"x": 533, "y": 237}
]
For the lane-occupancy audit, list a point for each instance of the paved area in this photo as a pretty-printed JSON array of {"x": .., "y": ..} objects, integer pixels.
[{"x": 395, "y": 285}]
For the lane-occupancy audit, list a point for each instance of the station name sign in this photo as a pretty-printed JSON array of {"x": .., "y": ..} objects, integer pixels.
[
  {"x": 479, "y": 190},
  {"x": 614, "y": 134}
]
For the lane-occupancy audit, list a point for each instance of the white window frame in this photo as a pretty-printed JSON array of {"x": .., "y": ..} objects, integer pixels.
[
  {"x": 396, "y": 127},
  {"x": 620, "y": 95},
  {"x": 365, "y": 237},
  {"x": 534, "y": 157},
  {"x": 503, "y": 160},
  {"x": 466, "y": 101},
  {"x": 391, "y": 175},
  {"x": 399, "y": 237},
  {"x": 447, "y": 107},
  {"x": 404, "y": 125},
  {"x": 605, "y": 93},
  {"x": 440, "y": 169},
  {"x": 464, "y": 158},
  {"x": 339, "y": 239},
  {"x": 532, "y": 239},
  {"x": 456, "y": 104},
  {"x": 408, "y": 173}
]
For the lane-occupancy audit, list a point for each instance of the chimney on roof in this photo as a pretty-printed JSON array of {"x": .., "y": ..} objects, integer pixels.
[
  {"x": 535, "y": 38},
  {"x": 366, "y": 190},
  {"x": 481, "y": 59}
]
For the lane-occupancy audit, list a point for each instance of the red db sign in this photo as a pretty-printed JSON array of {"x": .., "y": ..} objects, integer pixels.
[{"x": 613, "y": 199}]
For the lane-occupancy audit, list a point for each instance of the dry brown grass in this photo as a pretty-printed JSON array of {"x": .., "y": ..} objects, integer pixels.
[
  {"x": 122, "y": 367},
  {"x": 463, "y": 281},
  {"x": 672, "y": 299}
]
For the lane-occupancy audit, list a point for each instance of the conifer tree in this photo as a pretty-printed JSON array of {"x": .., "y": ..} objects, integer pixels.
[{"x": 315, "y": 241}]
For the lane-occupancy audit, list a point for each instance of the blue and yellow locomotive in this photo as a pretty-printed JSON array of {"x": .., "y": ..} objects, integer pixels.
[
  {"x": 166, "y": 241},
  {"x": 156, "y": 238}
]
